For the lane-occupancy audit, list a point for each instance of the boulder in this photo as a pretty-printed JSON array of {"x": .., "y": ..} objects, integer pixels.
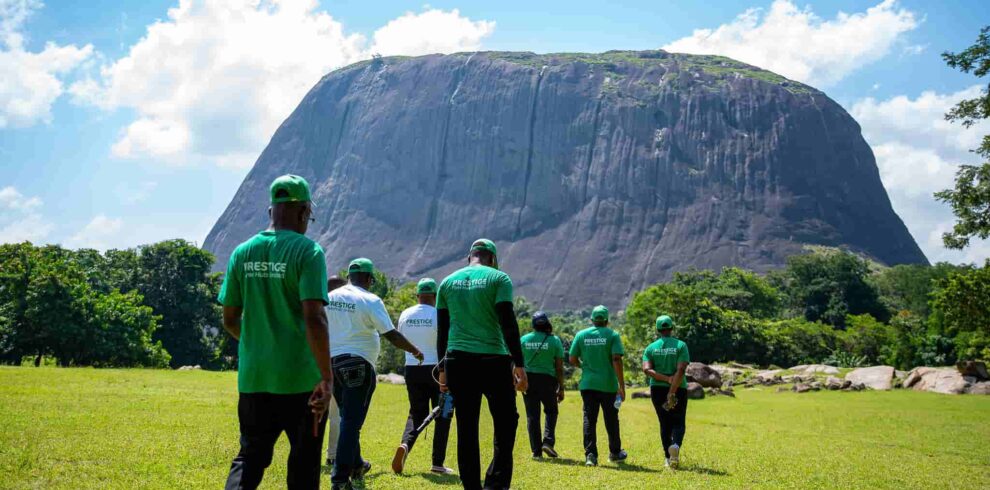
[
  {"x": 815, "y": 385},
  {"x": 190, "y": 368},
  {"x": 833, "y": 383},
  {"x": 727, "y": 372},
  {"x": 979, "y": 388},
  {"x": 768, "y": 377},
  {"x": 695, "y": 391},
  {"x": 641, "y": 394},
  {"x": 392, "y": 379},
  {"x": 976, "y": 369},
  {"x": 945, "y": 380},
  {"x": 801, "y": 388},
  {"x": 874, "y": 377},
  {"x": 815, "y": 369},
  {"x": 703, "y": 375}
]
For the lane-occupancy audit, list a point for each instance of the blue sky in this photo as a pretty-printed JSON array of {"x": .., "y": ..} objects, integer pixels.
[{"x": 123, "y": 123}]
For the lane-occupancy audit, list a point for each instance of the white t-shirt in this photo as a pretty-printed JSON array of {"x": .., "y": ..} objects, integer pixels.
[
  {"x": 419, "y": 325},
  {"x": 356, "y": 319}
]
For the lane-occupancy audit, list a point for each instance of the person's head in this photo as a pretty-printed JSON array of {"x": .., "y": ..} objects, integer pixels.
[
  {"x": 541, "y": 322},
  {"x": 334, "y": 282},
  {"x": 291, "y": 203},
  {"x": 599, "y": 316},
  {"x": 361, "y": 273},
  {"x": 483, "y": 252},
  {"x": 665, "y": 325},
  {"x": 426, "y": 291}
]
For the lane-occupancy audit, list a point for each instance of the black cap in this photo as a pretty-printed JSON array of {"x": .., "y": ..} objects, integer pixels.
[{"x": 540, "y": 319}]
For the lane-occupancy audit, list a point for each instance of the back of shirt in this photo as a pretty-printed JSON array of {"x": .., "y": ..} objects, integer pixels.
[
  {"x": 419, "y": 325},
  {"x": 540, "y": 351},
  {"x": 356, "y": 319},
  {"x": 470, "y": 295},
  {"x": 595, "y": 347},
  {"x": 269, "y": 276},
  {"x": 665, "y": 354}
]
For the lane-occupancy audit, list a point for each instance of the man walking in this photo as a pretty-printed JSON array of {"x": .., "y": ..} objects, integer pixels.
[
  {"x": 273, "y": 296},
  {"x": 333, "y": 412},
  {"x": 598, "y": 352},
  {"x": 359, "y": 319},
  {"x": 664, "y": 363},
  {"x": 544, "y": 356},
  {"x": 419, "y": 324},
  {"x": 480, "y": 336}
]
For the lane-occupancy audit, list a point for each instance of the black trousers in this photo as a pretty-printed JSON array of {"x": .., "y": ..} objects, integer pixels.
[
  {"x": 593, "y": 401},
  {"x": 424, "y": 395},
  {"x": 542, "y": 391},
  {"x": 672, "y": 423},
  {"x": 469, "y": 377},
  {"x": 263, "y": 417}
]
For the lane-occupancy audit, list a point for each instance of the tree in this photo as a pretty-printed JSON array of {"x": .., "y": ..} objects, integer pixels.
[
  {"x": 735, "y": 289},
  {"x": 970, "y": 198},
  {"x": 908, "y": 287},
  {"x": 829, "y": 286},
  {"x": 175, "y": 280},
  {"x": 961, "y": 308}
]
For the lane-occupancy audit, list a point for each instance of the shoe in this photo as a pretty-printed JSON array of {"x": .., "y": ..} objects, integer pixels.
[
  {"x": 442, "y": 470},
  {"x": 591, "y": 460},
  {"x": 341, "y": 486},
  {"x": 666, "y": 462},
  {"x": 618, "y": 457},
  {"x": 675, "y": 455},
  {"x": 537, "y": 456},
  {"x": 357, "y": 475},
  {"x": 549, "y": 451},
  {"x": 330, "y": 462},
  {"x": 399, "y": 460}
]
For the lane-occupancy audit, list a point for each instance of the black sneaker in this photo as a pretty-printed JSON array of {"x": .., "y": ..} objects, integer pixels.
[
  {"x": 341, "y": 486},
  {"x": 330, "y": 462},
  {"x": 358, "y": 473},
  {"x": 618, "y": 457},
  {"x": 549, "y": 451},
  {"x": 591, "y": 460},
  {"x": 537, "y": 456}
]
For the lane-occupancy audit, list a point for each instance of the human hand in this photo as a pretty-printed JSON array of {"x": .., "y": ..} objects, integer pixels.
[
  {"x": 622, "y": 392},
  {"x": 319, "y": 401},
  {"x": 522, "y": 382},
  {"x": 560, "y": 395},
  {"x": 443, "y": 382},
  {"x": 419, "y": 356}
]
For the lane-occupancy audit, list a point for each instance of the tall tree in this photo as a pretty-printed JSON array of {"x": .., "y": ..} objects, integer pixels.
[
  {"x": 970, "y": 198},
  {"x": 828, "y": 286}
]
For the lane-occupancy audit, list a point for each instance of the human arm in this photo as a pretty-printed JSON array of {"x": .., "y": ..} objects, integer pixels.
[
  {"x": 649, "y": 371},
  {"x": 232, "y": 320},
  {"x": 400, "y": 341},
  {"x": 318, "y": 337},
  {"x": 510, "y": 332},
  {"x": 676, "y": 379},
  {"x": 558, "y": 365},
  {"x": 619, "y": 374},
  {"x": 443, "y": 329}
]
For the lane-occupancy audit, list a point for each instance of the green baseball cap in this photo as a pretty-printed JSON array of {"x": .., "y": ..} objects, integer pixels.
[
  {"x": 599, "y": 313},
  {"x": 486, "y": 245},
  {"x": 426, "y": 286},
  {"x": 361, "y": 265},
  {"x": 664, "y": 322},
  {"x": 296, "y": 189}
]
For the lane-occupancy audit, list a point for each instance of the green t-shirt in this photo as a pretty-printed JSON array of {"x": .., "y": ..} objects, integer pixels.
[
  {"x": 269, "y": 276},
  {"x": 540, "y": 350},
  {"x": 665, "y": 354},
  {"x": 595, "y": 347},
  {"x": 469, "y": 295}
]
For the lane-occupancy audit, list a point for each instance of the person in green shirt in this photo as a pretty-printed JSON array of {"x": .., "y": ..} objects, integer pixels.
[
  {"x": 273, "y": 296},
  {"x": 544, "y": 355},
  {"x": 478, "y": 337},
  {"x": 664, "y": 363},
  {"x": 598, "y": 352}
]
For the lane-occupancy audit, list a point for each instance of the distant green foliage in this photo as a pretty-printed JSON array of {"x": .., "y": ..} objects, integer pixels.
[
  {"x": 829, "y": 286},
  {"x": 908, "y": 288},
  {"x": 845, "y": 359}
]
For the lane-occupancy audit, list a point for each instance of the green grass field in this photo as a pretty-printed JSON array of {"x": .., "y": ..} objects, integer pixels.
[{"x": 87, "y": 428}]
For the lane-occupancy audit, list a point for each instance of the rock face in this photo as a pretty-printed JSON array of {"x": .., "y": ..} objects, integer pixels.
[
  {"x": 939, "y": 380},
  {"x": 815, "y": 368},
  {"x": 596, "y": 174},
  {"x": 875, "y": 377}
]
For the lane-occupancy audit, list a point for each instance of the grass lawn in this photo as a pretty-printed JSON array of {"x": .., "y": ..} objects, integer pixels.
[{"x": 88, "y": 428}]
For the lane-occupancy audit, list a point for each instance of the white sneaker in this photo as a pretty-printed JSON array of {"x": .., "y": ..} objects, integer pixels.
[
  {"x": 675, "y": 453},
  {"x": 443, "y": 470},
  {"x": 666, "y": 462}
]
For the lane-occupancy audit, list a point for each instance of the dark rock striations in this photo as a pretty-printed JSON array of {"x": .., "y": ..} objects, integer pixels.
[{"x": 596, "y": 174}]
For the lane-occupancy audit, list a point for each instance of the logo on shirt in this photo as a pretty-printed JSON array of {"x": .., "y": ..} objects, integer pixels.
[
  {"x": 342, "y": 306},
  {"x": 537, "y": 345},
  {"x": 595, "y": 341},
  {"x": 419, "y": 322},
  {"x": 668, "y": 351},
  {"x": 469, "y": 283},
  {"x": 264, "y": 270}
]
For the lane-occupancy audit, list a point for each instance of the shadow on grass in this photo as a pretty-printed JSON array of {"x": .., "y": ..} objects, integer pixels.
[
  {"x": 439, "y": 479},
  {"x": 617, "y": 467},
  {"x": 701, "y": 470}
]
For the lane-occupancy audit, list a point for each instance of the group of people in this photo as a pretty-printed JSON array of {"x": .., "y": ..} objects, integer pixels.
[{"x": 308, "y": 345}]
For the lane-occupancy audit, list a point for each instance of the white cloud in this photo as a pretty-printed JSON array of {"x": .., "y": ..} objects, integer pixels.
[
  {"x": 432, "y": 31},
  {"x": 20, "y": 219},
  {"x": 918, "y": 152},
  {"x": 100, "y": 233},
  {"x": 30, "y": 82},
  {"x": 801, "y": 46},
  {"x": 213, "y": 81}
]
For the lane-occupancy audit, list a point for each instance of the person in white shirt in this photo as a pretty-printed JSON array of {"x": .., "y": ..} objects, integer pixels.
[
  {"x": 357, "y": 320},
  {"x": 333, "y": 414},
  {"x": 419, "y": 324}
]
